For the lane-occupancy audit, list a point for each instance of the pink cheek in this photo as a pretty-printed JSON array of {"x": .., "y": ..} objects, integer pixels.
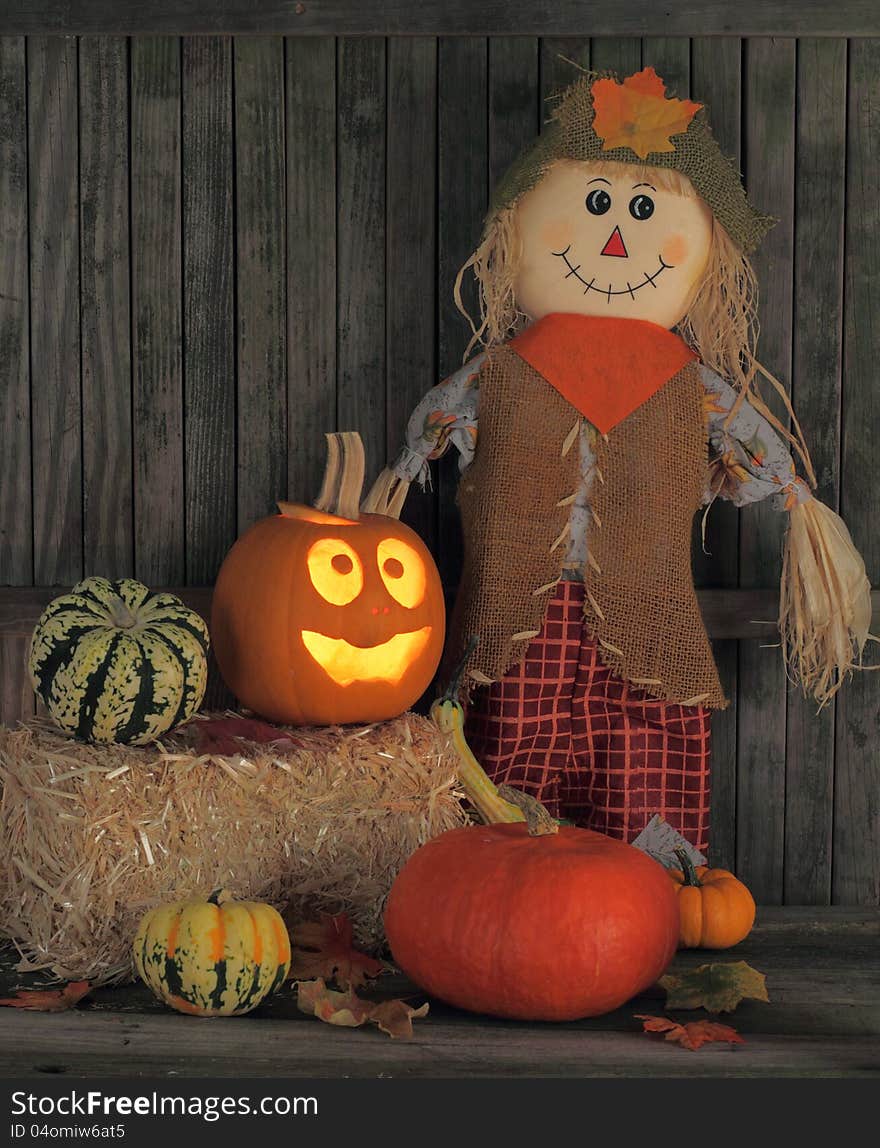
[
  {"x": 556, "y": 234},
  {"x": 675, "y": 250}
]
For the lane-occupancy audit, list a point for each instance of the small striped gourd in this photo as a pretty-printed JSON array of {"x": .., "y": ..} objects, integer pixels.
[
  {"x": 115, "y": 662},
  {"x": 214, "y": 957}
]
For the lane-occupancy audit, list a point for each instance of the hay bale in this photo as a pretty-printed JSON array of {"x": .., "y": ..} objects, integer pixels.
[{"x": 92, "y": 836}]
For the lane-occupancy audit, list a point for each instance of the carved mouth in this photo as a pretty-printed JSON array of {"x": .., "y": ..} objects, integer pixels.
[
  {"x": 387, "y": 662},
  {"x": 608, "y": 291}
]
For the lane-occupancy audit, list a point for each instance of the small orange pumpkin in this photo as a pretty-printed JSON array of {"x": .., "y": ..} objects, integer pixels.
[
  {"x": 325, "y": 615},
  {"x": 717, "y": 911}
]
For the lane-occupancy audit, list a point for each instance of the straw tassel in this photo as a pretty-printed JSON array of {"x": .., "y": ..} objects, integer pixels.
[
  {"x": 571, "y": 438},
  {"x": 825, "y": 601}
]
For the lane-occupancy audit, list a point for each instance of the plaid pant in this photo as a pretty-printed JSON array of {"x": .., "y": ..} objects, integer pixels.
[{"x": 589, "y": 746}]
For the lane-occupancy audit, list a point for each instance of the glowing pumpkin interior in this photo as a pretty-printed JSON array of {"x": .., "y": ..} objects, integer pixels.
[{"x": 323, "y": 614}]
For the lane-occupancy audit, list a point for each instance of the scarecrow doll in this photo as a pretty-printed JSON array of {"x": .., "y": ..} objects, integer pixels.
[{"x": 611, "y": 399}]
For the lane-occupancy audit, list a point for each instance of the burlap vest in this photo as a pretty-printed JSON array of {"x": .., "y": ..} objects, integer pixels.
[{"x": 515, "y": 502}]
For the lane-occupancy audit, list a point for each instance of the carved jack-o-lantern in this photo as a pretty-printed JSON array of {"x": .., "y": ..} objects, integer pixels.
[{"x": 324, "y": 614}]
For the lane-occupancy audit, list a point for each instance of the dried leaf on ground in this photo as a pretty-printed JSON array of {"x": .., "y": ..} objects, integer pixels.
[
  {"x": 395, "y": 1017},
  {"x": 717, "y": 987},
  {"x": 350, "y": 1011},
  {"x": 324, "y": 949},
  {"x": 691, "y": 1035},
  {"x": 48, "y": 1000},
  {"x": 345, "y": 1009},
  {"x": 223, "y": 736}
]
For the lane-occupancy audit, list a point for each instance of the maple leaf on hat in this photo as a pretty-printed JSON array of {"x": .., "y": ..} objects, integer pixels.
[{"x": 637, "y": 114}]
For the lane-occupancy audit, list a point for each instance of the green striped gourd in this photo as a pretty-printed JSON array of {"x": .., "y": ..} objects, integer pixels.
[
  {"x": 214, "y": 957},
  {"x": 114, "y": 662}
]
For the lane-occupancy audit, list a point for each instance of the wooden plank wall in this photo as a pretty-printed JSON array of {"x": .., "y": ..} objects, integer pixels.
[{"x": 212, "y": 250}]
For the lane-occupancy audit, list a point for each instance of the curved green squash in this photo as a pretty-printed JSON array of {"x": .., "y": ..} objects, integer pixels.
[{"x": 114, "y": 662}]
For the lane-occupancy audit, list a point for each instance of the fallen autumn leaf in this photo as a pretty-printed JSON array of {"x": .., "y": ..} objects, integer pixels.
[
  {"x": 350, "y": 1011},
  {"x": 324, "y": 949},
  {"x": 691, "y": 1035},
  {"x": 48, "y": 1000},
  {"x": 717, "y": 987}
]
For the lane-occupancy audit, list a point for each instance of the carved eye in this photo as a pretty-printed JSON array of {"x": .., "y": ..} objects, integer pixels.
[
  {"x": 641, "y": 207},
  {"x": 336, "y": 571},
  {"x": 403, "y": 571},
  {"x": 598, "y": 201}
]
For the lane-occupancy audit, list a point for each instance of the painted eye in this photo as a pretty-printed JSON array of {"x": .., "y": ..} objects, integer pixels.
[
  {"x": 335, "y": 570},
  {"x": 598, "y": 202},
  {"x": 403, "y": 571},
  {"x": 641, "y": 207}
]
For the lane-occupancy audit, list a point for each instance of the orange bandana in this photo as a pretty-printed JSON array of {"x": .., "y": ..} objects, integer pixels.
[{"x": 606, "y": 368}]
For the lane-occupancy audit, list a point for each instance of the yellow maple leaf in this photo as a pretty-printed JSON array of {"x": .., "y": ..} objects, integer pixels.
[{"x": 637, "y": 114}]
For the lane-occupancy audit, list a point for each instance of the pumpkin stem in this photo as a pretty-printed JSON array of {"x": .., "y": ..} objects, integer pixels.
[
  {"x": 343, "y": 475},
  {"x": 219, "y": 896},
  {"x": 687, "y": 868},
  {"x": 121, "y": 615},
  {"x": 387, "y": 495},
  {"x": 538, "y": 820}
]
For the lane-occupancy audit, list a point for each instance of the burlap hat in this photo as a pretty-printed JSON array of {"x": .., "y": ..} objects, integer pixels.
[{"x": 595, "y": 114}]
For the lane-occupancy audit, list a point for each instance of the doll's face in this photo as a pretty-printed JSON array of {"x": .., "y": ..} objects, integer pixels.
[{"x": 609, "y": 244}]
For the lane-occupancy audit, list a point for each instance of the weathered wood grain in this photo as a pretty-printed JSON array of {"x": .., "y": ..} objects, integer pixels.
[
  {"x": 261, "y": 276},
  {"x": 562, "y": 60},
  {"x": 98, "y": 1045},
  {"x": 819, "y": 260},
  {"x": 514, "y": 103},
  {"x": 361, "y": 253},
  {"x": 411, "y": 244},
  {"x": 620, "y": 54},
  {"x": 56, "y": 413},
  {"x": 105, "y": 275},
  {"x": 208, "y": 314},
  {"x": 716, "y": 81},
  {"x": 769, "y": 113},
  {"x": 454, "y": 17},
  {"x": 311, "y": 260},
  {"x": 822, "y": 1020},
  {"x": 16, "y": 693},
  {"x": 856, "y": 871},
  {"x": 16, "y": 513},
  {"x": 462, "y": 192},
  {"x": 670, "y": 57},
  {"x": 157, "y": 319}
]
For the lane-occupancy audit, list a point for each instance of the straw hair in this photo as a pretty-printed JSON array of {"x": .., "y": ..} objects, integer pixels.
[
  {"x": 825, "y": 606},
  {"x": 494, "y": 265},
  {"x": 93, "y": 836}
]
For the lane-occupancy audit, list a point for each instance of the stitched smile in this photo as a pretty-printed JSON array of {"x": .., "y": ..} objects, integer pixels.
[{"x": 630, "y": 288}]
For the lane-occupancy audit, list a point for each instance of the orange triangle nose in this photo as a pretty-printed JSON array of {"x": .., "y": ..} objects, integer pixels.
[{"x": 615, "y": 245}]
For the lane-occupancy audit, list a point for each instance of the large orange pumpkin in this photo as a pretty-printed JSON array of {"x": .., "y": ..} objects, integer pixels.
[
  {"x": 555, "y": 927},
  {"x": 324, "y": 615}
]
